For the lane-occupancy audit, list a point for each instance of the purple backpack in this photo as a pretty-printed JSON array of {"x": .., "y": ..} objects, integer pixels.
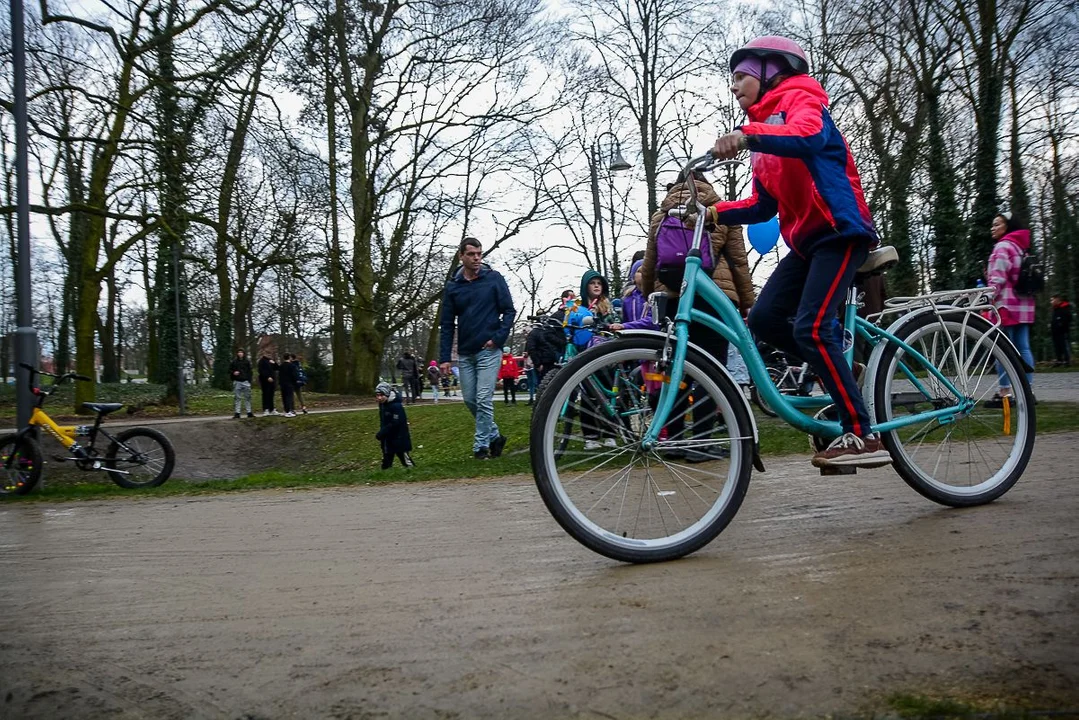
[{"x": 674, "y": 241}]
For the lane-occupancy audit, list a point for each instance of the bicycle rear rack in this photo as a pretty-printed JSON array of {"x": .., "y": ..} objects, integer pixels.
[{"x": 978, "y": 301}]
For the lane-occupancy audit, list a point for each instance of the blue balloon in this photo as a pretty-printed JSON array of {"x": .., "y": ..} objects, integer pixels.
[{"x": 764, "y": 236}]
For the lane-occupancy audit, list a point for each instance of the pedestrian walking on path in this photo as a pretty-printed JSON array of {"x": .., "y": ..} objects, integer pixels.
[
  {"x": 393, "y": 431},
  {"x": 240, "y": 372},
  {"x": 477, "y": 306}
]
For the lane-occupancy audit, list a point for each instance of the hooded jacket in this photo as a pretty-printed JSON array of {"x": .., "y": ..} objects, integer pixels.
[
  {"x": 635, "y": 311},
  {"x": 802, "y": 167},
  {"x": 589, "y": 276},
  {"x": 1002, "y": 274},
  {"x": 480, "y": 309},
  {"x": 393, "y": 431}
]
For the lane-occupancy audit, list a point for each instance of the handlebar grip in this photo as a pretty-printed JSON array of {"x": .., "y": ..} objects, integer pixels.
[{"x": 27, "y": 366}]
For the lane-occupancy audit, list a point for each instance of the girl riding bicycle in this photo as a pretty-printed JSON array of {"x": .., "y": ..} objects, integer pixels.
[{"x": 803, "y": 168}]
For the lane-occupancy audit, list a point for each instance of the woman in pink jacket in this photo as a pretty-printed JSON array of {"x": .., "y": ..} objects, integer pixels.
[{"x": 1016, "y": 311}]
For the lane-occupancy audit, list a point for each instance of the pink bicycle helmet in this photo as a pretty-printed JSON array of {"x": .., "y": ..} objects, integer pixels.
[{"x": 772, "y": 46}]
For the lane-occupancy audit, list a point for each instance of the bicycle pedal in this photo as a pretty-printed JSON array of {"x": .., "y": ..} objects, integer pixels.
[{"x": 842, "y": 470}]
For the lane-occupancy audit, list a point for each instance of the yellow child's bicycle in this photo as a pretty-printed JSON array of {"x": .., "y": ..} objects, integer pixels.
[{"x": 138, "y": 457}]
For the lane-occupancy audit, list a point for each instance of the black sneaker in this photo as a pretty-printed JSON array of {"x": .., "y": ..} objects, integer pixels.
[
  {"x": 236, "y": 416},
  {"x": 251, "y": 414},
  {"x": 481, "y": 454},
  {"x": 497, "y": 445},
  {"x": 673, "y": 454}
]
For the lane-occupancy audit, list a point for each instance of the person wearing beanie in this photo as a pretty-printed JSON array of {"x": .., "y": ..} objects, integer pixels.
[
  {"x": 803, "y": 168},
  {"x": 393, "y": 431},
  {"x": 434, "y": 378}
]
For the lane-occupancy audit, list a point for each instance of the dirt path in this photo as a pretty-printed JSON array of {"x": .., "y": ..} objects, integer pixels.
[{"x": 466, "y": 600}]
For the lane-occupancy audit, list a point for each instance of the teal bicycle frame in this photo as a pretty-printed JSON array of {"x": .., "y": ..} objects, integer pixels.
[{"x": 730, "y": 325}]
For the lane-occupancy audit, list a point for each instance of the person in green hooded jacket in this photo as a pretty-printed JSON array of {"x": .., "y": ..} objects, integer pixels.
[{"x": 595, "y": 299}]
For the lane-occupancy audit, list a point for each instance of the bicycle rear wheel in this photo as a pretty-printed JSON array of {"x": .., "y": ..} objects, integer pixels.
[
  {"x": 618, "y": 498},
  {"x": 20, "y": 465},
  {"x": 976, "y": 455},
  {"x": 140, "y": 458}
]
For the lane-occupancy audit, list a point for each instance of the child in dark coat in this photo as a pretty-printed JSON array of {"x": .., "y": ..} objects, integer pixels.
[{"x": 393, "y": 428}]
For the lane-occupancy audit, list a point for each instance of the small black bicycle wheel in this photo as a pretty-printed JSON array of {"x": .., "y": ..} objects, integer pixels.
[
  {"x": 140, "y": 458},
  {"x": 755, "y": 395},
  {"x": 20, "y": 465}
]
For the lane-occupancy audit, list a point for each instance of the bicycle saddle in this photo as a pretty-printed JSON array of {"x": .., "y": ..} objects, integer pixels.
[
  {"x": 102, "y": 408},
  {"x": 880, "y": 260}
]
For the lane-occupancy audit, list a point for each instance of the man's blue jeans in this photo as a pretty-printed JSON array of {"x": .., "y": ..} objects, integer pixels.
[{"x": 479, "y": 373}]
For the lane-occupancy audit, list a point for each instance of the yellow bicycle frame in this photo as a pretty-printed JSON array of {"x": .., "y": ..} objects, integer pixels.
[{"x": 65, "y": 434}]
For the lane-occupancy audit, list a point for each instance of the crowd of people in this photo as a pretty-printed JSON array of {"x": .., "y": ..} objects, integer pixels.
[{"x": 286, "y": 375}]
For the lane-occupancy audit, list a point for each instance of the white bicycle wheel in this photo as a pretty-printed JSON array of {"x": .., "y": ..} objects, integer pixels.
[
  {"x": 976, "y": 455},
  {"x": 607, "y": 490}
]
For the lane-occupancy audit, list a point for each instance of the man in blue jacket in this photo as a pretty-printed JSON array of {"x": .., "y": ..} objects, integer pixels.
[{"x": 477, "y": 303}]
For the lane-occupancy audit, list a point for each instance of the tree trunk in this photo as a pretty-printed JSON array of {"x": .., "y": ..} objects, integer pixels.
[
  {"x": 107, "y": 330},
  {"x": 945, "y": 218},
  {"x": 339, "y": 345},
  {"x": 990, "y": 91}
]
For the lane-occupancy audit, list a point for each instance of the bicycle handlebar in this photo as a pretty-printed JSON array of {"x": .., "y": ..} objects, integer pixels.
[{"x": 57, "y": 379}]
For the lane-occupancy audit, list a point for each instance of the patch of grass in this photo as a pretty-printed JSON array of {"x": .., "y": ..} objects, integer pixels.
[
  {"x": 343, "y": 451},
  {"x": 920, "y": 707}
]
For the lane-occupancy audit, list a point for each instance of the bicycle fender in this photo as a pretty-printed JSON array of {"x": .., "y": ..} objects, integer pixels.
[{"x": 723, "y": 368}]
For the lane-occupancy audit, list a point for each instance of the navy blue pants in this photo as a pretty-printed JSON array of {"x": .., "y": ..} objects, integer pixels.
[{"x": 809, "y": 287}]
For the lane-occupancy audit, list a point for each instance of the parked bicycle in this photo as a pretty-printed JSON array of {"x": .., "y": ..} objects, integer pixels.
[
  {"x": 137, "y": 457},
  {"x": 927, "y": 382},
  {"x": 791, "y": 376}
]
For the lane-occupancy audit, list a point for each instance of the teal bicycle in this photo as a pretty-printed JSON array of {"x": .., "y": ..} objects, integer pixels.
[{"x": 936, "y": 361}]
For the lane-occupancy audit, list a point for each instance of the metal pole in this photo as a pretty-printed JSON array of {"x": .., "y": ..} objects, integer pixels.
[
  {"x": 179, "y": 326},
  {"x": 593, "y": 162},
  {"x": 25, "y": 334}
]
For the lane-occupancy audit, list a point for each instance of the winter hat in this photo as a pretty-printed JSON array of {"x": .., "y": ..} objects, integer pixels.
[
  {"x": 634, "y": 268},
  {"x": 505, "y": 351},
  {"x": 432, "y": 363},
  {"x": 383, "y": 388},
  {"x": 752, "y": 66}
]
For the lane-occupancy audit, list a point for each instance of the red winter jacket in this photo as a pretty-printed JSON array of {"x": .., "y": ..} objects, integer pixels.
[
  {"x": 802, "y": 167},
  {"x": 509, "y": 369}
]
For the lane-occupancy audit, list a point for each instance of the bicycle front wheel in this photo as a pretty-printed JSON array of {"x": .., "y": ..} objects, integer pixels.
[
  {"x": 976, "y": 455},
  {"x": 20, "y": 465},
  {"x": 610, "y": 493},
  {"x": 140, "y": 458}
]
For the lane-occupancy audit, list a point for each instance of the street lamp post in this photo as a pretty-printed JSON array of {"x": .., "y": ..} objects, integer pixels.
[
  {"x": 618, "y": 163},
  {"x": 25, "y": 334}
]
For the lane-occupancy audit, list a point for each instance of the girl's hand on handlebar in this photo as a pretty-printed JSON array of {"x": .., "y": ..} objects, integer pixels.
[
  {"x": 729, "y": 145},
  {"x": 615, "y": 327},
  {"x": 711, "y": 218}
]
